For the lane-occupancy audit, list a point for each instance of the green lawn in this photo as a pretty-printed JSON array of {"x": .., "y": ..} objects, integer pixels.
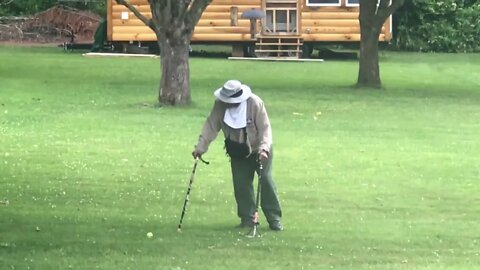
[{"x": 368, "y": 179}]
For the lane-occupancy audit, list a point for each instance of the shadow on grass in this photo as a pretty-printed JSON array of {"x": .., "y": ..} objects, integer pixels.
[{"x": 209, "y": 54}]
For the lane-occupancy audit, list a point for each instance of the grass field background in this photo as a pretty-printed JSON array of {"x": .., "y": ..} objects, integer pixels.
[{"x": 367, "y": 179}]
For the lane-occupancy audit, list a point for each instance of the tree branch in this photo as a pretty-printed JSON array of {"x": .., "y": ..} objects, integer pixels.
[
  {"x": 148, "y": 22},
  {"x": 367, "y": 11},
  {"x": 181, "y": 8},
  {"x": 383, "y": 4},
  {"x": 163, "y": 11},
  {"x": 195, "y": 12},
  {"x": 155, "y": 12},
  {"x": 385, "y": 10}
]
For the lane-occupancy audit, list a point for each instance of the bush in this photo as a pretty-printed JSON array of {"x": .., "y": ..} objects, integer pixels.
[{"x": 439, "y": 26}]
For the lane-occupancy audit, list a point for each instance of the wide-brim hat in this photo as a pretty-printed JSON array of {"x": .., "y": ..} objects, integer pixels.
[{"x": 233, "y": 91}]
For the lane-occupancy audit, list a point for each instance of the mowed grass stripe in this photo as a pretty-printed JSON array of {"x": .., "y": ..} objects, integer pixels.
[{"x": 368, "y": 179}]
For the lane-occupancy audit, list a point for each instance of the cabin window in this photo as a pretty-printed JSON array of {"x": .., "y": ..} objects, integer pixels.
[
  {"x": 353, "y": 3},
  {"x": 323, "y": 3},
  {"x": 281, "y": 17},
  {"x": 279, "y": 21}
]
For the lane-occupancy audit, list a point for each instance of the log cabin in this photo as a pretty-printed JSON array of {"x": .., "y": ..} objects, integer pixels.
[{"x": 288, "y": 28}]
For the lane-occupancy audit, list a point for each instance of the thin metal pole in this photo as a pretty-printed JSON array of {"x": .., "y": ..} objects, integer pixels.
[
  {"x": 255, "y": 232},
  {"x": 187, "y": 195}
]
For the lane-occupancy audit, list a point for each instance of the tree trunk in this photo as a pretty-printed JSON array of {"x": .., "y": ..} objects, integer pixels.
[
  {"x": 370, "y": 28},
  {"x": 173, "y": 21},
  {"x": 372, "y": 17},
  {"x": 175, "y": 76},
  {"x": 369, "y": 70}
]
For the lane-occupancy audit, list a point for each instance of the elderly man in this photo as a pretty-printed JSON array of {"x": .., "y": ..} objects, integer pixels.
[{"x": 242, "y": 117}]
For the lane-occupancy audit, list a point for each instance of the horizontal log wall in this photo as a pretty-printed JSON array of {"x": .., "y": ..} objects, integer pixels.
[
  {"x": 326, "y": 24},
  {"x": 334, "y": 24},
  {"x": 214, "y": 25}
]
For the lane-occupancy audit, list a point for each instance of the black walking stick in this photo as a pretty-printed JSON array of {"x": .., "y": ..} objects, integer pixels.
[
  {"x": 187, "y": 195},
  {"x": 254, "y": 232}
]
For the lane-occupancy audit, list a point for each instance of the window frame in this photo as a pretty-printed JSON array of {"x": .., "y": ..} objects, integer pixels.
[
  {"x": 339, "y": 4},
  {"x": 348, "y": 4}
]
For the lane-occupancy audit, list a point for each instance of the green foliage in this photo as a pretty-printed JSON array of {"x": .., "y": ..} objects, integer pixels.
[
  {"x": 439, "y": 26},
  {"x": 28, "y": 7},
  {"x": 368, "y": 180}
]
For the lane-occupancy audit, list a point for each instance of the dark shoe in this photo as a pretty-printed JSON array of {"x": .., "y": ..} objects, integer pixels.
[
  {"x": 246, "y": 224},
  {"x": 276, "y": 226}
]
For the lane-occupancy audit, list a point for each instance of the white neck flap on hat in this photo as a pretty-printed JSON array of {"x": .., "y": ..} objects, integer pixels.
[{"x": 236, "y": 117}]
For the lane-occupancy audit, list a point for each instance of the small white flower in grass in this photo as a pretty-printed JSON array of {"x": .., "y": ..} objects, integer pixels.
[{"x": 149, "y": 235}]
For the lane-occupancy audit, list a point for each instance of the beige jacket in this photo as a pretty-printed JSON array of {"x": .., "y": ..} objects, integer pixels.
[{"x": 259, "y": 131}]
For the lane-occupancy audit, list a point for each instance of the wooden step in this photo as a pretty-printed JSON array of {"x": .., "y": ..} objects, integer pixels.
[
  {"x": 289, "y": 51},
  {"x": 281, "y": 36},
  {"x": 279, "y": 46},
  {"x": 260, "y": 44}
]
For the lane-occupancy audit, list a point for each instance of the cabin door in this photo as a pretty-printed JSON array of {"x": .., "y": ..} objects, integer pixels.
[{"x": 281, "y": 17}]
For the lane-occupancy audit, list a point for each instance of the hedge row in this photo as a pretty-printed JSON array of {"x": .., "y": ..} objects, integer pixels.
[{"x": 439, "y": 26}]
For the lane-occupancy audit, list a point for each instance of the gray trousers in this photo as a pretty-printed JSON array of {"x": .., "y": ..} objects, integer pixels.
[{"x": 243, "y": 174}]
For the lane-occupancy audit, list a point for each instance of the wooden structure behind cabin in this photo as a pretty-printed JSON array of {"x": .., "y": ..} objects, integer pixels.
[{"x": 289, "y": 28}]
